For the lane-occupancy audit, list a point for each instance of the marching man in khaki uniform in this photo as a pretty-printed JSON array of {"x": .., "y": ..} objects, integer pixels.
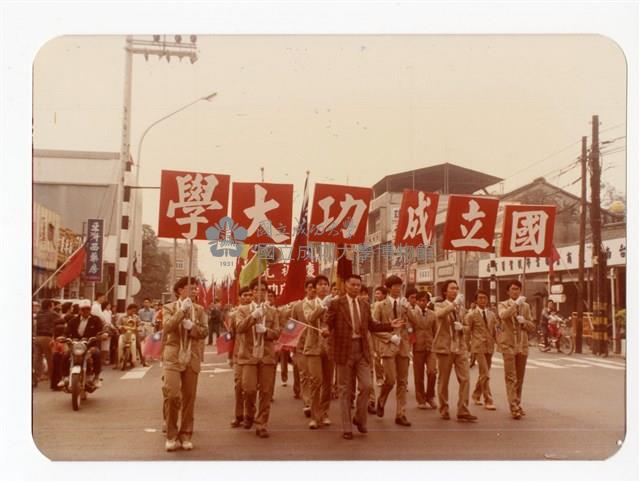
[
  {"x": 423, "y": 321},
  {"x": 513, "y": 342},
  {"x": 450, "y": 346},
  {"x": 394, "y": 350},
  {"x": 482, "y": 322},
  {"x": 258, "y": 333},
  {"x": 184, "y": 330},
  {"x": 241, "y": 312}
]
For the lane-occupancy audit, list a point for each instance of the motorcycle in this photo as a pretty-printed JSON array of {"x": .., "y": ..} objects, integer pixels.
[
  {"x": 127, "y": 344},
  {"x": 559, "y": 337},
  {"x": 81, "y": 374}
]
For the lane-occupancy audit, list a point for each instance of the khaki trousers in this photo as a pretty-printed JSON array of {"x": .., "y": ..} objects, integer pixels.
[
  {"x": 377, "y": 366},
  {"x": 356, "y": 367},
  {"x": 180, "y": 391},
  {"x": 320, "y": 371},
  {"x": 257, "y": 383},
  {"x": 303, "y": 371},
  {"x": 424, "y": 361},
  {"x": 237, "y": 389},
  {"x": 482, "y": 385},
  {"x": 396, "y": 372},
  {"x": 460, "y": 362},
  {"x": 514, "y": 368},
  {"x": 44, "y": 344}
]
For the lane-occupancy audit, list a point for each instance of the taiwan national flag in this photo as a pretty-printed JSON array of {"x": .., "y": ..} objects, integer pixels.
[
  {"x": 224, "y": 343},
  {"x": 153, "y": 346},
  {"x": 290, "y": 334}
]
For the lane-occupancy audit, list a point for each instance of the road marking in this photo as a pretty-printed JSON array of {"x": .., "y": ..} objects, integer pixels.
[
  {"x": 135, "y": 373},
  {"x": 214, "y": 364},
  {"x": 577, "y": 365},
  {"x": 602, "y": 360},
  {"x": 215, "y": 371},
  {"x": 597, "y": 364},
  {"x": 545, "y": 364},
  {"x": 289, "y": 368}
]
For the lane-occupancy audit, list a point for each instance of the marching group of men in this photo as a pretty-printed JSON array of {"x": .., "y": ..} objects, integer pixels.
[{"x": 348, "y": 340}]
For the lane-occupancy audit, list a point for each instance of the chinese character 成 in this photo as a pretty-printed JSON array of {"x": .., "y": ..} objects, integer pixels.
[{"x": 418, "y": 218}]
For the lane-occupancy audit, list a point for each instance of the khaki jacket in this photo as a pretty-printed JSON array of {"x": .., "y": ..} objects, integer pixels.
[
  {"x": 175, "y": 337},
  {"x": 511, "y": 338},
  {"x": 447, "y": 340},
  {"x": 314, "y": 343},
  {"x": 383, "y": 313},
  {"x": 254, "y": 348},
  {"x": 482, "y": 335},
  {"x": 424, "y": 326}
]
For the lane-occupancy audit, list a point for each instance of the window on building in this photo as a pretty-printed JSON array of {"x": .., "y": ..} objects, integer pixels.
[{"x": 179, "y": 264}]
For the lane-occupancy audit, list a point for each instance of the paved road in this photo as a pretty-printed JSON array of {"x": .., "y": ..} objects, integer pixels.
[{"x": 575, "y": 411}]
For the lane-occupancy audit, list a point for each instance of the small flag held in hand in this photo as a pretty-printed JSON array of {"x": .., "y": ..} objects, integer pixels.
[
  {"x": 153, "y": 346},
  {"x": 224, "y": 343},
  {"x": 290, "y": 334}
]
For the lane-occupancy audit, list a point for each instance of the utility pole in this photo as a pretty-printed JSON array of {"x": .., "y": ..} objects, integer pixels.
[
  {"x": 583, "y": 222},
  {"x": 599, "y": 260}
]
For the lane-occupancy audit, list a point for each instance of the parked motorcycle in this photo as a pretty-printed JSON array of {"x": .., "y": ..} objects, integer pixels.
[
  {"x": 127, "y": 342},
  {"x": 559, "y": 336},
  {"x": 81, "y": 374}
]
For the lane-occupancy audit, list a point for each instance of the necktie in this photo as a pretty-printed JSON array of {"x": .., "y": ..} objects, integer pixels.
[
  {"x": 395, "y": 309},
  {"x": 484, "y": 315},
  {"x": 356, "y": 318}
]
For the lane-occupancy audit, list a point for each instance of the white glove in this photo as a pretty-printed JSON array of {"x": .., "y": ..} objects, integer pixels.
[
  {"x": 327, "y": 301},
  {"x": 187, "y": 304},
  {"x": 457, "y": 326},
  {"x": 521, "y": 300},
  {"x": 260, "y": 328},
  {"x": 395, "y": 339},
  {"x": 404, "y": 302},
  {"x": 520, "y": 319},
  {"x": 257, "y": 313},
  {"x": 187, "y": 324},
  {"x": 459, "y": 300}
]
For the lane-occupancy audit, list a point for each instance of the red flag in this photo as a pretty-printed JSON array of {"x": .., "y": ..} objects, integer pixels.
[
  {"x": 224, "y": 343},
  {"x": 297, "y": 271},
  {"x": 74, "y": 267},
  {"x": 152, "y": 347},
  {"x": 211, "y": 293},
  {"x": 290, "y": 334},
  {"x": 202, "y": 294},
  {"x": 553, "y": 259}
]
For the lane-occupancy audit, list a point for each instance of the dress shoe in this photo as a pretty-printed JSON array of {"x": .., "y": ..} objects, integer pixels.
[
  {"x": 521, "y": 411},
  {"x": 371, "y": 408},
  {"x": 326, "y": 421},
  {"x": 307, "y": 411},
  {"x": 445, "y": 416},
  {"x": 477, "y": 402},
  {"x": 248, "y": 423},
  {"x": 237, "y": 422},
  {"x": 313, "y": 425},
  {"x": 379, "y": 410},
  {"x": 422, "y": 406},
  {"x": 347, "y": 435},
  {"x": 467, "y": 417},
  {"x": 515, "y": 415},
  {"x": 432, "y": 403},
  {"x": 379, "y": 382},
  {"x": 489, "y": 406},
  {"x": 262, "y": 433},
  {"x": 403, "y": 421},
  {"x": 171, "y": 445},
  {"x": 361, "y": 428},
  {"x": 187, "y": 445}
]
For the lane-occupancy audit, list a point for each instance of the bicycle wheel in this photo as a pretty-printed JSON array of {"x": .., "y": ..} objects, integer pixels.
[{"x": 565, "y": 345}]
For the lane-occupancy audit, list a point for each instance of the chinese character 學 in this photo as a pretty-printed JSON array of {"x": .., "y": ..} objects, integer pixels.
[
  {"x": 473, "y": 215},
  {"x": 528, "y": 231},
  {"x": 418, "y": 218},
  {"x": 195, "y": 197},
  {"x": 351, "y": 224},
  {"x": 258, "y": 215}
]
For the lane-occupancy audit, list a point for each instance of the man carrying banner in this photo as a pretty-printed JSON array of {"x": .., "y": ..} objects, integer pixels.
[
  {"x": 241, "y": 312},
  {"x": 514, "y": 322},
  {"x": 450, "y": 346},
  {"x": 394, "y": 350},
  {"x": 347, "y": 323},
  {"x": 184, "y": 331},
  {"x": 258, "y": 333}
]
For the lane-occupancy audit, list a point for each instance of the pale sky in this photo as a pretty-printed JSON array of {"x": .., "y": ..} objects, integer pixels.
[{"x": 351, "y": 109}]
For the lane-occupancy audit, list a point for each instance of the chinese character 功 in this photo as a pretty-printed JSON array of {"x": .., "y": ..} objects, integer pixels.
[{"x": 330, "y": 223}]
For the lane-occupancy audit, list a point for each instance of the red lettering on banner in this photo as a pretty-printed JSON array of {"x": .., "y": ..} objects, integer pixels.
[{"x": 471, "y": 222}]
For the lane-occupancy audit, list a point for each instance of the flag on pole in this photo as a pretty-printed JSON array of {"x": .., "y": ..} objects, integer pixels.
[
  {"x": 290, "y": 334},
  {"x": 224, "y": 343},
  {"x": 73, "y": 268},
  {"x": 555, "y": 257},
  {"x": 252, "y": 270},
  {"x": 202, "y": 294},
  {"x": 152, "y": 347},
  {"x": 297, "y": 271}
]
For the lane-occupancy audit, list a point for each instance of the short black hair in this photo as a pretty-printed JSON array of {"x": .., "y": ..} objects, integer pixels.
[
  {"x": 410, "y": 291},
  {"x": 182, "y": 282},
  {"x": 481, "y": 292},
  {"x": 254, "y": 284},
  {"x": 353, "y": 276},
  {"x": 216, "y": 300},
  {"x": 334, "y": 284},
  {"x": 319, "y": 278},
  {"x": 423, "y": 294},
  {"x": 147, "y": 299},
  {"x": 66, "y": 306},
  {"x": 244, "y": 290},
  {"x": 99, "y": 294},
  {"x": 445, "y": 286},
  {"x": 46, "y": 304},
  {"x": 392, "y": 280},
  {"x": 364, "y": 289},
  {"x": 132, "y": 306},
  {"x": 104, "y": 305},
  {"x": 514, "y": 282},
  {"x": 381, "y": 289}
]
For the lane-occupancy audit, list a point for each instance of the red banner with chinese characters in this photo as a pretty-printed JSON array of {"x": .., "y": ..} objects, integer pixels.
[
  {"x": 276, "y": 274},
  {"x": 528, "y": 230},
  {"x": 264, "y": 210},
  {"x": 339, "y": 213},
  {"x": 471, "y": 223},
  {"x": 417, "y": 219},
  {"x": 190, "y": 202}
]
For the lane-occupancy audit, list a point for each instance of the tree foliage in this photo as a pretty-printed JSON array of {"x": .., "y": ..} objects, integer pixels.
[{"x": 156, "y": 267}]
